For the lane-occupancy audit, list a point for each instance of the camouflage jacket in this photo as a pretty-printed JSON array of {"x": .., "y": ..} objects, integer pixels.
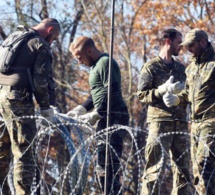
[
  {"x": 153, "y": 74},
  {"x": 200, "y": 86},
  {"x": 34, "y": 55}
]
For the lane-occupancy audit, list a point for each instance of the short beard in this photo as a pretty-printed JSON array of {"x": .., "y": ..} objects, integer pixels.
[
  {"x": 175, "y": 54},
  {"x": 48, "y": 38},
  {"x": 200, "y": 51}
]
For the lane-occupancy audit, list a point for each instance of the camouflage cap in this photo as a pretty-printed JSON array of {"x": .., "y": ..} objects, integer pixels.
[{"x": 194, "y": 35}]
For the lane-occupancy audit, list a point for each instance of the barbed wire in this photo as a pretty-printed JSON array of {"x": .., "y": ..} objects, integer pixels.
[{"x": 82, "y": 152}]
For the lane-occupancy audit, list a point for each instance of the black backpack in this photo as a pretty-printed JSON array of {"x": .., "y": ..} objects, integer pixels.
[{"x": 10, "y": 47}]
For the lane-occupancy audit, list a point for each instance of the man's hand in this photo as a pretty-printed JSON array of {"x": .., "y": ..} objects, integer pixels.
[
  {"x": 162, "y": 89},
  {"x": 48, "y": 114},
  {"x": 171, "y": 99},
  {"x": 55, "y": 109},
  {"x": 91, "y": 117},
  {"x": 77, "y": 111},
  {"x": 175, "y": 88}
]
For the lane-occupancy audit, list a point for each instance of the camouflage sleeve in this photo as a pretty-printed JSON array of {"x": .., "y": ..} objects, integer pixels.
[
  {"x": 183, "y": 95},
  {"x": 145, "y": 90},
  {"x": 41, "y": 77}
]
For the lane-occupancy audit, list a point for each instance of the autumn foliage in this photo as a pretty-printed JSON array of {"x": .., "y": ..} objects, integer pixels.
[{"x": 137, "y": 26}]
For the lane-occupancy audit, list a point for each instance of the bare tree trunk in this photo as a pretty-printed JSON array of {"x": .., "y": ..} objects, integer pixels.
[{"x": 44, "y": 12}]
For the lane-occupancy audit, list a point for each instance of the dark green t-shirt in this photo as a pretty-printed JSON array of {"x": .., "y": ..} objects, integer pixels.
[{"x": 98, "y": 80}]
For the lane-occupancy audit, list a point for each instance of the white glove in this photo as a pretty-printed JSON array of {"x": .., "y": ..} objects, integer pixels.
[
  {"x": 90, "y": 117},
  {"x": 49, "y": 115},
  {"x": 176, "y": 87},
  {"x": 170, "y": 99},
  {"x": 55, "y": 109},
  {"x": 77, "y": 111},
  {"x": 162, "y": 89}
]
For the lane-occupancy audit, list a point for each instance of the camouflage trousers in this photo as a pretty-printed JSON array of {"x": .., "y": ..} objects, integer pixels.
[
  {"x": 158, "y": 145},
  {"x": 16, "y": 139},
  {"x": 203, "y": 156},
  {"x": 115, "y": 152}
]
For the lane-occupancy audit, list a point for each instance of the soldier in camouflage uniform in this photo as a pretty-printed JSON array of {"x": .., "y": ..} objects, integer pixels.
[
  {"x": 16, "y": 90},
  {"x": 200, "y": 92},
  {"x": 84, "y": 49},
  {"x": 158, "y": 76}
]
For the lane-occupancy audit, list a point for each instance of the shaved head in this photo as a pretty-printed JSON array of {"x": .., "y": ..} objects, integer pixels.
[
  {"x": 84, "y": 50},
  {"x": 50, "y": 22},
  {"x": 49, "y": 29},
  {"x": 81, "y": 43}
]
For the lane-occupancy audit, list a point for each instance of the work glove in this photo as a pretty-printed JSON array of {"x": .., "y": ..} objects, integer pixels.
[
  {"x": 170, "y": 99},
  {"x": 162, "y": 89},
  {"x": 55, "y": 109},
  {"x": 176, "y": 87},
  {"x": 91, "y": 117},
  {"x": 48, "y": 114},
  {"x": 77, "y": 111}
]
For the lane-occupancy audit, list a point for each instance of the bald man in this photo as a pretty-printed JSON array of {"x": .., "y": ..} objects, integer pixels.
[
  {"x": 84, "y": 50},
  {"x": 30, "y": 76}
]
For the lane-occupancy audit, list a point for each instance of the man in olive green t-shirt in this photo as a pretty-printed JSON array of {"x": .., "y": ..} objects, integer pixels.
[{"x": 84, "y": 49}]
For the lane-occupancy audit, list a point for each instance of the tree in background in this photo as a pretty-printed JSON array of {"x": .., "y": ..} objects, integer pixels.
[{"x": 137, "y": 24}]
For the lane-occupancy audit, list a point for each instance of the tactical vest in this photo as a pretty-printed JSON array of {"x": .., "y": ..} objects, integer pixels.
[{"x": 24, "y": 61}]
